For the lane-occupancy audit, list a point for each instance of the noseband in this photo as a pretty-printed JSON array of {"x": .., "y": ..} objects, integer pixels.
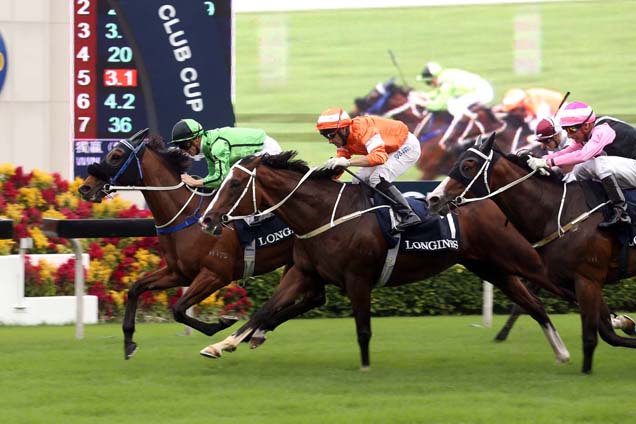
[{"x": 484, "y": 170}]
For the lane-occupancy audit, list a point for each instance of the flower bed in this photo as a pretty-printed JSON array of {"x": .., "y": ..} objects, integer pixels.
[{"x": 115, "y": 263}]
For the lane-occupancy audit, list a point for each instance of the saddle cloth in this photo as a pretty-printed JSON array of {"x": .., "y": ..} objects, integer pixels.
[
  {"x": 435, "y": 233},
  {"x": 266, "y": 232}
]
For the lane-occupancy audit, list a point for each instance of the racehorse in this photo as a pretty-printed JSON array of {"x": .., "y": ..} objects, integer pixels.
[
  {"x": 346, "y": 247},
  {"x": 577, "y": 254},
  {"x": 205, "y": 264},
  {"x": 394, "y": 101}
]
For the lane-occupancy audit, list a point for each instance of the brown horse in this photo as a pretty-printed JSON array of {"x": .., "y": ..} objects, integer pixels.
[
  {"x": 583, "y": 259},
  {"x": 205, "y": 264},
  {"x": 394, "y": 101},
  {"x": 340, "y": 243}
]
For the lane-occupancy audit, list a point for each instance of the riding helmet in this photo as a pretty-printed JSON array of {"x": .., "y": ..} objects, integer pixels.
[
  {"x": 333, "y": 118},
  {"x": 186, "y": 129}
]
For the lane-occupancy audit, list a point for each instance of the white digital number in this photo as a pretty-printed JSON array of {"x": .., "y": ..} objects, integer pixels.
[
  {"x": 84, "y": 120},
  {"x": 110, "y": 78},
  {"x": 84, "y": 30},
  {"x": 83, "y": 77},
  {"x": 83, "y": 55},
  {"x": 83, "y": 101},
  {"x": 83, "y": 7}
]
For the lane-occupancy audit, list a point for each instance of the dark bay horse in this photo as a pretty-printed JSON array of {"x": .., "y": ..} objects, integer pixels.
[
  {"x": 339, "y": 242},
  {"x": 583, "y": 258},
  {"x": 394, "y": 101},
  {"x": 205, "y": 264}
]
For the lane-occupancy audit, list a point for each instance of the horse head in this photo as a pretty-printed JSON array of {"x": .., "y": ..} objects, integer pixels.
[
  {"x": 258, "y": 185},
  {"x": 120, "y": 166},
  {"x": 124, "y": 165},
  {"x": 233, "y": 196},
  {"x": 471, "y": 172}
]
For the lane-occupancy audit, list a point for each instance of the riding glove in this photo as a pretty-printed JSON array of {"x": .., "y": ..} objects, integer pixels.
[
  {"x": 335, "y": 162},
  {"x": 539, "y": 164}
]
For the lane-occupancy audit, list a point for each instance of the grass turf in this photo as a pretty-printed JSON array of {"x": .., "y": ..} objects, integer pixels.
[
  {"x": 291, "y": 66},
  {"x": 424, "y": 370}
]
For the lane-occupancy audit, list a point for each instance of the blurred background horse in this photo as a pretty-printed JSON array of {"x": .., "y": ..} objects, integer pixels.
[{"x": 392, "y": 100}]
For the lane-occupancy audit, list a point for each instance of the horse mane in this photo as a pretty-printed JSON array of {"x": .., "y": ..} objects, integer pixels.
[
  {"x": 286, "y": 160},
  {"x": 178, "y": 160},
  {"x": 522, "y": 162}
]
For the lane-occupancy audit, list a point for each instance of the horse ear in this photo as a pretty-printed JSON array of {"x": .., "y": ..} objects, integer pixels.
[
  {"x": 486, "y": 146},
  {"x": 478, "y": 142}
]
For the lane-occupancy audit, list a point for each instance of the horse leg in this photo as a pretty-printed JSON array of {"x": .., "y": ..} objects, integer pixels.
[
  {"x": 515, "y": 312},
  {"x": 359, "y": 292},
  {"x": 588, "y": 294},
  {"x": 520, "y": 294},
  {"x": 606, "y": 329},
  {"x": 285, "y": 294},
  {"x": 311, "y": 300},
  {"x": 204, "y": 284},
  {"x": 158, "y": 280}
]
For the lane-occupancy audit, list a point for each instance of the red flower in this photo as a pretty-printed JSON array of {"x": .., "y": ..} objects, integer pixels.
[
  {"x": 9, "y": 191},
  {"x": 95, "y": 251},
  {"x": 48, "y": 194}
]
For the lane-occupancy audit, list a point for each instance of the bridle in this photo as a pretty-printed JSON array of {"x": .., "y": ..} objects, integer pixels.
[
  {"x": 228, "y": 217},
  {"x": 485, "y": 172},
  {"x": 136, "y": 153}
]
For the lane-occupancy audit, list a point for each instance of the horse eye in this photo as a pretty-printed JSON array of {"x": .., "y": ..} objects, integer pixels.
[{"x": 235, "y": 184}]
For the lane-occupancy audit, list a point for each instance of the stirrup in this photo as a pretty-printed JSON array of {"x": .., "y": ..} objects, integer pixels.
[{"x": 619, "y": 219}]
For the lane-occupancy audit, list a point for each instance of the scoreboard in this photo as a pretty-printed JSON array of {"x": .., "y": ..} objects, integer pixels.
[{"x": 148, "y": 63}]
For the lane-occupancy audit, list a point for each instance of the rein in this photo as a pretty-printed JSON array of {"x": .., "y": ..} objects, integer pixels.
[
  {"x": 163, "y": 228},
  {"x": 561, "y": 230},
  {"x": 461, "y": 199},
  {"x": 228, "y": 217}
]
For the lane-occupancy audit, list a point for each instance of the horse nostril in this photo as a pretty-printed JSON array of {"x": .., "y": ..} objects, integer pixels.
[
  {"x": 433, "y": 200},
  {"x": 84, "y": 189}
]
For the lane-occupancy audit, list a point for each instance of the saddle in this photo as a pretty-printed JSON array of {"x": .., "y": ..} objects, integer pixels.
[{"x": 434, "y": 233}]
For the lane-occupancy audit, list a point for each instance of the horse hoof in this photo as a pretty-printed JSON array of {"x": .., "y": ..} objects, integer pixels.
[
  {"x": 365, "y": 368},
  {"x": 563, "y": 359},
  {"x": 129, "y": 350},
  {"x": 256, "y": 342},
  {"x": 210, "y": 352}
]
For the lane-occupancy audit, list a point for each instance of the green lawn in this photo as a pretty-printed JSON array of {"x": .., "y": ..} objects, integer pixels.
[
  {"x": 424, "y": 370},
  {"x": 291, "y": 66}
]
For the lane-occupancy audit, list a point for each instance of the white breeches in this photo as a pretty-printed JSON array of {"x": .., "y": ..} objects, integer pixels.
[
  {"x": 270, "y": 146},
  {"x": 458, "y": 106},
  {"x": 600, "y": 167},
  {"x": 397, "y": 164}
]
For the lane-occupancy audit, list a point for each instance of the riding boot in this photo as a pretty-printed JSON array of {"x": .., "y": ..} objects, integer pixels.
[
  {"x": 615, "y": 195},
  {"x": 405, "y": 215}
]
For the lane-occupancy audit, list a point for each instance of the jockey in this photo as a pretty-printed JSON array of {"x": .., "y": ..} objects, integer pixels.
[
  {"x": 533, "y": 104},
  {"x": 604, "y": 149},
  {"x": 221, "y": 147},
  {"x": 454, "y": 90},
  {"x": 551, "y": 136},
  {"x": 388, "y": 150}
]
